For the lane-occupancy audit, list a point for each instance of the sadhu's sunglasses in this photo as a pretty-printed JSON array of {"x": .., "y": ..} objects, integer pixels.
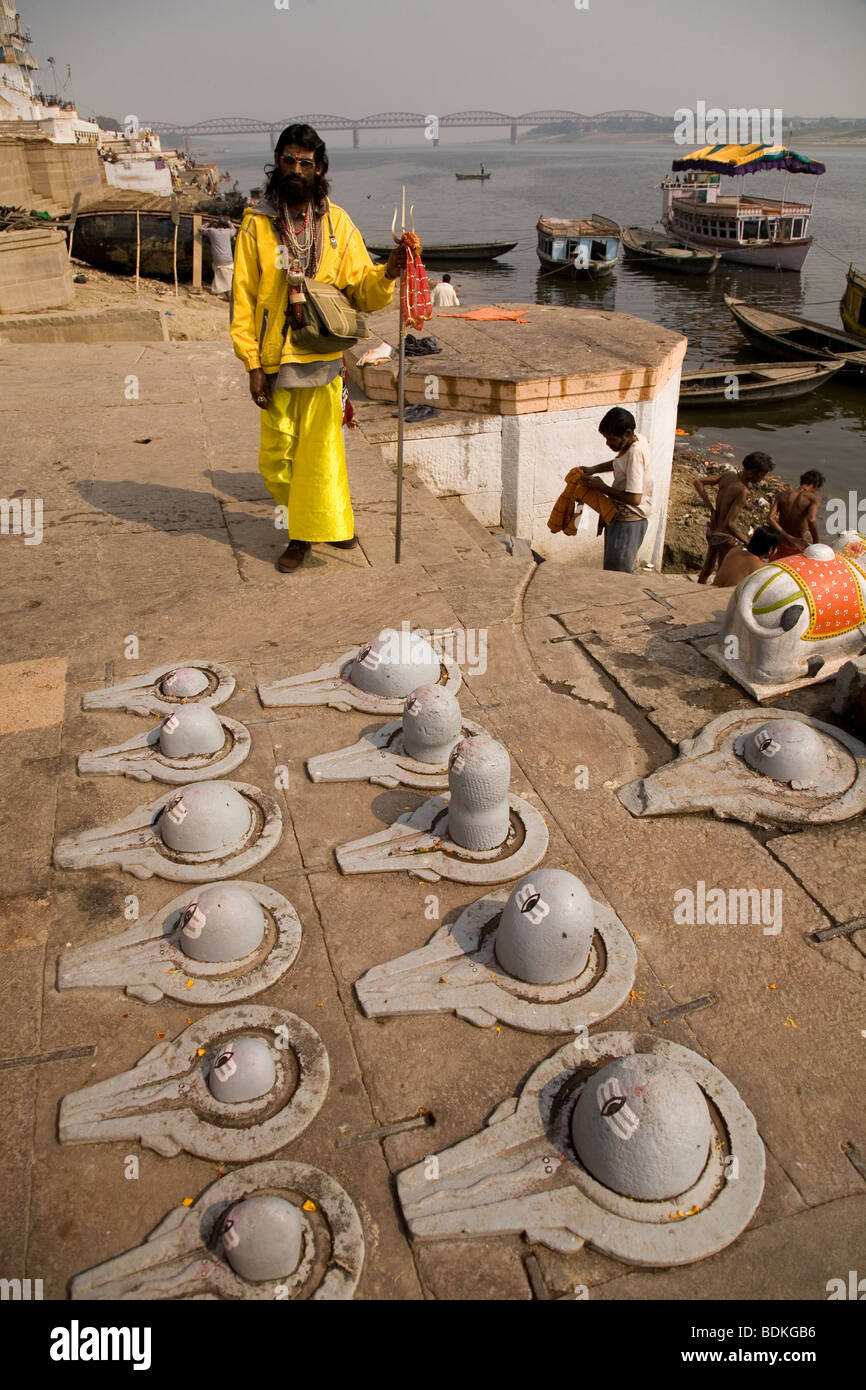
[{"x": 305, "y": 164}]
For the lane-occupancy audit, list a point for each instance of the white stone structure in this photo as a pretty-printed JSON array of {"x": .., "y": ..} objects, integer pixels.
[{"x": 504, "y": 442}]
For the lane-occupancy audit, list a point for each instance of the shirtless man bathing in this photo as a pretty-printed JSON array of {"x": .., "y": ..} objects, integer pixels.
[
  {"x": 795, "y": 513},
  {"x": 722, "y": 530}
]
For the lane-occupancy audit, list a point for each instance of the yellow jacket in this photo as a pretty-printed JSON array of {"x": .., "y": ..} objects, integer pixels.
[{"x": 260, "y": 292}]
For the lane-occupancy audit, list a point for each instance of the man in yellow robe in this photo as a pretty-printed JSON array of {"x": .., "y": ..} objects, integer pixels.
[{"x": 296, "y": 228}]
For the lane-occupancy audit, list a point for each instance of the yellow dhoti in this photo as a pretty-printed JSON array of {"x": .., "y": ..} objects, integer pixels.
[{"x": 303, "y": 461}]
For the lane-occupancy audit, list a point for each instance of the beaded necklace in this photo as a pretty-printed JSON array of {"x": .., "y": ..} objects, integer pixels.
[{"x": 301, "y": 244}]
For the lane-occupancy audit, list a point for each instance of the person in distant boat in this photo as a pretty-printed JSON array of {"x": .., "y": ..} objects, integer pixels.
[
  {"x": 482, "y": 169},
  {"x": 295, "y": 233},
  {"x": 220, "y": 233},
  {"x": 723, "y": 532},
  {"x": 444, "y": 294},
  {"x": 795, "y": 513},
  {"x": 631, "y": 489},
  {"x": 738, "y": 563}
]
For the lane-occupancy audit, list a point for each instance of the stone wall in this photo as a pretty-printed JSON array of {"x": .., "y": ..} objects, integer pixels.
[
  {"x": 15, "y": 188},
  {"x": 458, "y": 455},
  {"x": 509, "y": 469},
  {"x": 538, "y": 450},
  {"x": 59, "y": 171},
  {"x": 34, "y": 271}
]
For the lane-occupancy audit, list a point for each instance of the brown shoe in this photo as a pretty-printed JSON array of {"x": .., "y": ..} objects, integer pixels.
[
  {"x": 345, "y": 545},
  {"x": 293, "y": 556}
]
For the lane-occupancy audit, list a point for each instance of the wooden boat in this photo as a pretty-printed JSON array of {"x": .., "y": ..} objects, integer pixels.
[
  {"x": 465, "y": 177},
  {"x": 105, "y": 231},
  {"x": 765, "y": 381},
  {"x": 106, "y": 240},
  {"x": 852, "y": 305},
  {"x": 646, "y": 247},
  {"x": 783, "y": 335},
  {"x": 586, "y": 247},
  {"x": 459, "y": 251}
]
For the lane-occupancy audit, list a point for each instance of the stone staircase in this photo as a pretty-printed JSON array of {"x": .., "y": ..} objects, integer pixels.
[{"x": 436, "y": 530}]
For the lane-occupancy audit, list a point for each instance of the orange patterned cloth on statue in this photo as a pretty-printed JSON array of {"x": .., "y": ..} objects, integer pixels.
[
  {"x": 833, "y": 590},
  {"x": 578, "y": 494}
]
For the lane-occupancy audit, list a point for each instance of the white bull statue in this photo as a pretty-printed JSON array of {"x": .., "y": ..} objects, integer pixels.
[{"x": 797, "y": 619}]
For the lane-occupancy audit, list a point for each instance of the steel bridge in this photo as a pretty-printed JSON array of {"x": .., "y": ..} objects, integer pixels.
[{"x": 393, "y": 120}]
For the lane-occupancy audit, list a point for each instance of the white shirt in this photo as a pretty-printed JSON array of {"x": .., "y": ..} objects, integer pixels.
[
  {"x": 444, "y": 295},
  {"x": 631, "y": 473}
]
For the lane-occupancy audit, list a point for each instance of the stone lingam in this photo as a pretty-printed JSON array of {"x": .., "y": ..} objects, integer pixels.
[
  {"x": 545, "y": 958},
  {"x": 272, "y": 1230},
  {"x": 375, "y": 677},
  {"x": 412, "y": 751},
  {"x": 478, "y": 833},
  {"x": 634, "y": 1145}
]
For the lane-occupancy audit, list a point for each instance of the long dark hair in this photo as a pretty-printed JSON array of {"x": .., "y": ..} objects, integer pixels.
[{"x": 306, "y": 139}]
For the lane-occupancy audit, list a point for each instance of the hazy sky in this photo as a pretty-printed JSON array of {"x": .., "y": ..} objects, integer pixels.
[{"x": 187, "y": 60}]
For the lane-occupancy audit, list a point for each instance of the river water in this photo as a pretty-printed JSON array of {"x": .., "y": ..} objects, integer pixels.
[{"x": 825, "y": 430}]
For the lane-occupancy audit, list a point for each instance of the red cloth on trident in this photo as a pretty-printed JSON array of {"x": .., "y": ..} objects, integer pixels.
[{"x": 416, "y": 304}]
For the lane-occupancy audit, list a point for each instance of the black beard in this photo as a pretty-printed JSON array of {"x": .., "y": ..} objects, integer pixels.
[{"x": 295, "y": 190}]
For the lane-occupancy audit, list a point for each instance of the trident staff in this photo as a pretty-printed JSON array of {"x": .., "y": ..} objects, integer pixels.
[
  {"x": 415, "y": 308},
  {"x": 401, "y": 385}
]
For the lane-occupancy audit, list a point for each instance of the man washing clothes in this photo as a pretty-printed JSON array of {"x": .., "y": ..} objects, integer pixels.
[{"x": 631, "y": 489}]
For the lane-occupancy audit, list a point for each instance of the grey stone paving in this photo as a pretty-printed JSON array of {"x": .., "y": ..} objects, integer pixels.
[{"x": 172, "y": 542}]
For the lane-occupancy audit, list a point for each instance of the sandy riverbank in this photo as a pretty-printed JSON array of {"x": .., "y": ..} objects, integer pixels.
[{"x": 189, "y": 317}]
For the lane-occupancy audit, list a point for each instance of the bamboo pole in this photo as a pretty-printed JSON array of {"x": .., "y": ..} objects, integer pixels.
[
  {"x": 73, "y": 218},
  {"x": 175, "y": 217},
  {"x": 137, "y": 246},
  {"x": 401, "y": 397},
  {"x": 195, "y": 287}
]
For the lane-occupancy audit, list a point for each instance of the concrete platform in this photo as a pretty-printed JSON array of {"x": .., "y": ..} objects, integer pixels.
[
  {"x": 520, "y": 404},
  {"x": 156, "y": 528}
]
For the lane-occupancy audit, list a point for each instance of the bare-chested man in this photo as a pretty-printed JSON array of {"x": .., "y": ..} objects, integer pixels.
[
  {"x": 738, "y": 563},
  {"x": 722, "y": 529},
  {"x": 795, "y": 512}
]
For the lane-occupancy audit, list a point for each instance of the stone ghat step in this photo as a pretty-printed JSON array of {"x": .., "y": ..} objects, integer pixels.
[
  {"x": 448, "y": 525},
  {"x": 459, "y": 512}
]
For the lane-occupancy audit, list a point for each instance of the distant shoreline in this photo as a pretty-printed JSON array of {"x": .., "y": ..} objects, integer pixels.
[{"x": 648, "y": 137}]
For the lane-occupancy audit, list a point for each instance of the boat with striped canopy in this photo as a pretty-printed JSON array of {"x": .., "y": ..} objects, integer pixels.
[{"x": 749, "y": 230}]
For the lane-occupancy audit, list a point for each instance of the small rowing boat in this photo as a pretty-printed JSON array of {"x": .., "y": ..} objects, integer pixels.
[
  {"x": 465, "y": 177},
  {"x": 644, "y": 247},
  {"x": 783, "y": 335},
  {"x": 765, "y": 381},
  {"x": 459, "y": 251}
]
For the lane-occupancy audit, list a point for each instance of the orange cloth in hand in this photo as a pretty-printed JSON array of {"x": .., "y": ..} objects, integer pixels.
[{"x": 578, "y": 493}]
